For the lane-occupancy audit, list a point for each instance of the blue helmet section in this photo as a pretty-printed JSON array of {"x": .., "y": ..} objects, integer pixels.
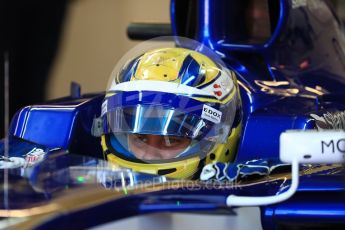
[{"x": 190, "y": 72}]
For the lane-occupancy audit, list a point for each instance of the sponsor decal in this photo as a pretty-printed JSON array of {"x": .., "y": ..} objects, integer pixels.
[
  {"x": 211, "y": 114},
  {"x": 33, "y": 157},
  {"x": 333, "y": 146}
]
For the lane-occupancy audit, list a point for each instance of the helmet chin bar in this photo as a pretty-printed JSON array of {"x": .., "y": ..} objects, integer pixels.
[{"x": 300, "y": 147}]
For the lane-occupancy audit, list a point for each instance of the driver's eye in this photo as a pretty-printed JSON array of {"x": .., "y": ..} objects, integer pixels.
[{"x": 141, "y": 137}]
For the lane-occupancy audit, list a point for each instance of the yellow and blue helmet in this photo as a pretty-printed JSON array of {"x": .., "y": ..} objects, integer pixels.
[{"x": 169, "y": 112}]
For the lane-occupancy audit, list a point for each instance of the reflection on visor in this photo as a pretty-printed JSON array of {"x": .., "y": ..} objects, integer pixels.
[{"x": 157, "y": 120}]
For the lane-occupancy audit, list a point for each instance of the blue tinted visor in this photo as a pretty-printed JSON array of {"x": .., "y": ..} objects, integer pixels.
[{"x": 157, "y": 120}]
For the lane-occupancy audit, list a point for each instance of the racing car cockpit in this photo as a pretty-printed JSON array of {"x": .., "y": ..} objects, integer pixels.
[{"x": 201, "y": 124}]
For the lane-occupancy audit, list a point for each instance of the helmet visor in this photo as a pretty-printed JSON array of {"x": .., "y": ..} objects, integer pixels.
[
  {"x": 154, "y": 133},
  {"x": 157, "y": 120}
]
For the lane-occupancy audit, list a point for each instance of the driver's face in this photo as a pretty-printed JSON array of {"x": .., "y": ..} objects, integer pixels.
[{"x": 156, "y": 147}]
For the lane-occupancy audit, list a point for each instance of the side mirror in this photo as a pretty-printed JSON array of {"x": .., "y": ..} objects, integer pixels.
[{"x": 296, "y": 147}]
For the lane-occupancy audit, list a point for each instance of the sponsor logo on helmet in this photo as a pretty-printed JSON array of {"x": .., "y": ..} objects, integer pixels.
[{"x": 211, "y": 114}]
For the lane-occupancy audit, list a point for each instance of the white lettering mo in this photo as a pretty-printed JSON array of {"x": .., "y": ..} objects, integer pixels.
[{"x": 339, "y": 146}]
